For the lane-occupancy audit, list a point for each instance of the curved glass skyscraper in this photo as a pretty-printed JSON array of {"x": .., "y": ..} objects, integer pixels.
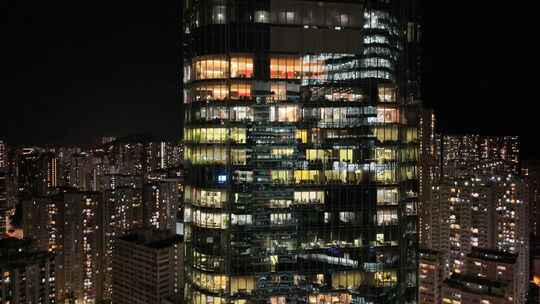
[{"x": 300, "y": 151}]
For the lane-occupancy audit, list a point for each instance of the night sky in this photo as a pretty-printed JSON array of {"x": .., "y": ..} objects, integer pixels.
[{"x": 78, "y": 70}]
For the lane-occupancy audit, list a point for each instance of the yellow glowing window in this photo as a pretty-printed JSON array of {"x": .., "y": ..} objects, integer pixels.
[
  {"x": 306, "y": 176},
  {"x": 346, "y": 155},
  {"x": 239, "y": 156},
  {"x": 241, "y": 67},
  {"x": 277, "y": 152},
  {"x": 279, "y": 91},
  {"x": 384, "y": 154},
  {"x": 318, "y": 154},
  {"x": 411, "y": 135},
  {"x": 386, "y": 133},
  {"x": 385, "y": 278},
  {"x": 211, "y": 67},
  {"x": 281, "y": 176},
  {"x": 238, "y": 135},
  {"x": 302, "y": 135},
  {"x": 346, "y": 279},
  {"x": 387, "y": 93},
  {"x": 309, "y": 197},
  {"x": 244, "y": 284},
  {"x": 215, "y": 135}
]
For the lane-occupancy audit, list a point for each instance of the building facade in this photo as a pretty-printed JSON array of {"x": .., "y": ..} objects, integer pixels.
[
  {"x": 28, "y": 274},
  {"x": 301, "y": 150},
  {"x": 148, "y": 268}
]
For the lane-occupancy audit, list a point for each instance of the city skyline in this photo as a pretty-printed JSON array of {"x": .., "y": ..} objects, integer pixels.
[
  {"x": 126, "y": 63},
  {"x": 269, "y": 152}
]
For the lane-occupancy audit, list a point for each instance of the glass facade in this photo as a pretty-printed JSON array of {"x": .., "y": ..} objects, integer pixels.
[{"x": 301, "y": 159}]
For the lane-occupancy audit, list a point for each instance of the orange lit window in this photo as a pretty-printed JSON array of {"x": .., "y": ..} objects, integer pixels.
[
  {"x": 210, "y": 92},
  {"x": 211, "y": 67},
  {"x": 285, "y": 68},
  {"x": 240, "y": 90},
  {"x": 241, "y": 67}
]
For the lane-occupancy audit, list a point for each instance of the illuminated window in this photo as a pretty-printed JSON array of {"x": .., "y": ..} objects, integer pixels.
[
  {"x": 240, "y": 113},
  {"x": 387, "y": 115},
  {"x": 239, "y": 157},
  {"x": 306, "y": 176},
  {"x": 346, "y": 279},
  {"x": 262, "y": 17},
  {"x": 302, "y": 136},
  {"x": 387, "y": 196},
  {"x": 281, "y": 219},
  {"x": 386, "y": 133},
  {"x": 387, "y": 93},
  {"x": 347, "y": 216},
  {"x": 281, "y": 152},
  {"x": 241, "y": 219},
  {"x": 285, "y": 68},
  {"x": 387, "y": 217},
  {"x": 284, "y": 113},
  {"x": 210, "y": 92},
  {"x": 345, "y": 155},
  {"x": 384, "y": 155},
  {"x": 241, "y": 67},
  {"x": 318, "y": 154},
  {"x": 244, "y": 284},
  {"x": 238, "y": 135},
  {"x": 211, "y": 67},
  {"x": 207, "y": 198},
  {"x": 215, "y": 135},
  {"x": 240, "y": 90},
  {"x": 219, "y": 14},
  {"x": 214, "y": 283},
  {"x": 210, "y": 220},
  {"x": 309, "y": 197},
  {"x": 281, "y": 176},
  {"x": 279, "y": 91},
  {"x": 411, "y": 135},
  {"x": 385, "y": 278},
  {"x": 385, "y": 175}
]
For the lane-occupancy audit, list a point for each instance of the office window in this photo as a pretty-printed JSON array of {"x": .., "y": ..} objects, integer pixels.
[
  {"x": 240, "y": 91},
  {"x": 286, "y": 67},
  {"x": 386, "y": 133},
  {"x": 241, "y": 67},
  {"x": 309, "y": 197},
  {"x": 387, "y": 217},
  {"x": 241, "y": 219},
  {"x": 302, "y": 136},
  {"x": 210, "y": 220},
  {"x": 383, "y": 155},
  {"x": 387, "y": 93},
  {"x": 211, "y": 67},
  {"x": 219, "y": 14},
  {"x": 390, "y": 115},
  {"x": 279, "y": 91},
  {"x": 262, "y": 17},
  {"x": 240, "y": 113},
  {"x": 284, "y": 113}
]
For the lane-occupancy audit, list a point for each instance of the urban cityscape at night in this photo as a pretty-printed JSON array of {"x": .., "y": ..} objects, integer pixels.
[{"x": 267, "y": 152}]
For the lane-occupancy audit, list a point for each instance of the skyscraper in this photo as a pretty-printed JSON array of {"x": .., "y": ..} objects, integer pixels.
[
  {"x": 301, "y": 151},
  {"x": 27, "y": 273},
  {"x": 147, "y": 268}
]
